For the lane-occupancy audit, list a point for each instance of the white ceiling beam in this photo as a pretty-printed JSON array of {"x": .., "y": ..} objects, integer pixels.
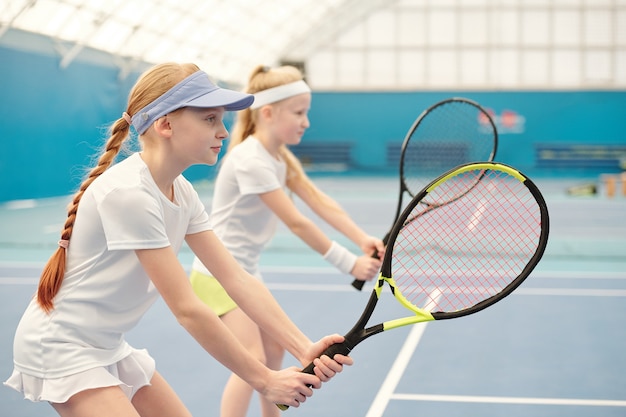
[
  {"x": 330, "y": 27},
  {"x": 73, "y": 52},
  {"x": 27, "y": 5}
]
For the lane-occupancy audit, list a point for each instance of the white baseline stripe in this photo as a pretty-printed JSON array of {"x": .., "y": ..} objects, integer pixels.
[
  {"x": 577, "y": 292},
  {"x": 590, "y": 275},
  {"x": 18, "y": 281},
  {"x": 402, "y": 360},
  {"x": 579, "y": 274},
  {"x": 509, "y": 400},
  {"x": 397, "y": 370},
  {"x": 327, "y": 270},
  {"x": 587, "y": 292},
  {"x": 310, "y": 287},
  {"x": 277, "y": 286}
]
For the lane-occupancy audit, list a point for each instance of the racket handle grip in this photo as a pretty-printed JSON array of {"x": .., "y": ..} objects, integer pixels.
[
  {"x": 358, "y": 284},
  {"x": 331, "y": 351}
]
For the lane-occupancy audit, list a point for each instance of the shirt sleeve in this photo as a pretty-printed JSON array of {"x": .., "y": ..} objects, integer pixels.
[
  {"x": 198, "y": 216},
  {"x": 132, "y": 219},
  {"x": 256, "y": 176}
]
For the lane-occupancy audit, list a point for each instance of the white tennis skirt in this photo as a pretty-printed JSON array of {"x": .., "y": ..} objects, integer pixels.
[{"x": 130, "y": 374}]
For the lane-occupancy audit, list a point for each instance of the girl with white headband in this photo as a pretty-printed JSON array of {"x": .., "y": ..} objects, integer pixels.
[
  {"x": 251, "y": 195},
  {"x": 118, "y": 253}
]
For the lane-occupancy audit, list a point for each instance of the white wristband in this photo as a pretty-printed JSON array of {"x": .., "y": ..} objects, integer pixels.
[{"x": 340, "y": 257}]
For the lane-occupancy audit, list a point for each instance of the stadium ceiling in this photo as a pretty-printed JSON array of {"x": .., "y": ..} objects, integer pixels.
[{"x": 226, "y": 38}]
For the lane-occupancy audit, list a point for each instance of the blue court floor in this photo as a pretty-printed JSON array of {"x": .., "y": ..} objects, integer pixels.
[{"x": 553, "y": 348}]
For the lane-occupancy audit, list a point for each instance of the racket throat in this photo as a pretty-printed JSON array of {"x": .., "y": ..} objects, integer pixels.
[{"x": 358, "y": 334}]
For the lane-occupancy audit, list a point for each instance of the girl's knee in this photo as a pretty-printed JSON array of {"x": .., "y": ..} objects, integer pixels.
[{"x": 274, "y": 353}]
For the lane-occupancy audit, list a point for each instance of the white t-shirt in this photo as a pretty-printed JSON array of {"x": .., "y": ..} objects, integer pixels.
[
  {"x": 105, "y": 290},
  {"x": 239, "y": 217}
]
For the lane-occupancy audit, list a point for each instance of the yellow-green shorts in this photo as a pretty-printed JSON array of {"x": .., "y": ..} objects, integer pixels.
[{"x": 211, "y": 293}]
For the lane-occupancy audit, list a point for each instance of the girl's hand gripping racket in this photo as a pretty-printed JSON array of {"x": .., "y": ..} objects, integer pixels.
[
  {"x": 449, "y": 133},
  {"x": 462, "y": 257}
]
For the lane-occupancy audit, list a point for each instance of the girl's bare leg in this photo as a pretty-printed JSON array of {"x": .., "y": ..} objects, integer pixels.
[
  {"x": 156, "y": 400},
  {"x": 159, "y": 400},
  {"x": 98, "y": 402},
  {"x": 237, "y": 393},
  {"x": 274, "y": 354}
]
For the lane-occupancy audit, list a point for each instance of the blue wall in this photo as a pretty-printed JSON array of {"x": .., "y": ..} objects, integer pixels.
[
  {"x": 527, "y": 122},
  {"x": 53, "y": 121}
]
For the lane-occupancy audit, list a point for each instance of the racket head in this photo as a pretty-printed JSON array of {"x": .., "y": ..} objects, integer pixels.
[
  {"x": 449, "y": 133},
  {"x": 454, "y": 260}
]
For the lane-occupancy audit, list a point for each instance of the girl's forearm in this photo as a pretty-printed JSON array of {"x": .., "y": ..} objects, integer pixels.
[
  {"x": 253, "y": 297},
  {"x": 211, "y": 333}
]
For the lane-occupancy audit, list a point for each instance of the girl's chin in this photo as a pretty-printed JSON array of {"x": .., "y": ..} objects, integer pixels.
[{"x": 210, "y": 160}]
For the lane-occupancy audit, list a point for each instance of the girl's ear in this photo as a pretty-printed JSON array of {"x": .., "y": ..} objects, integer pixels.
[
  {"x": 162, "y": 126},
  {"x": 266, "y": 112}
]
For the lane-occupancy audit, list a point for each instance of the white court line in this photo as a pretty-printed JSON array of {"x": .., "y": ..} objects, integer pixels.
[
  {"x": 587, "y": 275},
  {"x": 18, "y": 281},
  {"x": 575, "y": 292},
  {"x": 276, "y": 286},
  {"x": 327, "y": 270},
  {"x": 579, "y": 274},
  {"x": 385, "y": 393},
  {"x": 399, "y": 365},
  {"x": 509, "y": 400}
]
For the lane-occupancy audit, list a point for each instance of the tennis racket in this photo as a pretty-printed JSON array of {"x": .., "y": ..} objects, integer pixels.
[
  {"x": 450, "y": 133},
  {"x": 460, "y": 258}
]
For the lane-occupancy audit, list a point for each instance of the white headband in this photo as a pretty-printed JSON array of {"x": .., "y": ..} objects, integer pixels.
[{"x": 274, "y": 94}]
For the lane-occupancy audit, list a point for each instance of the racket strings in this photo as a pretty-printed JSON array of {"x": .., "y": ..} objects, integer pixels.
[
  {"x": 470, "y": 249},
  {"x": 452, "y": 133}
]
